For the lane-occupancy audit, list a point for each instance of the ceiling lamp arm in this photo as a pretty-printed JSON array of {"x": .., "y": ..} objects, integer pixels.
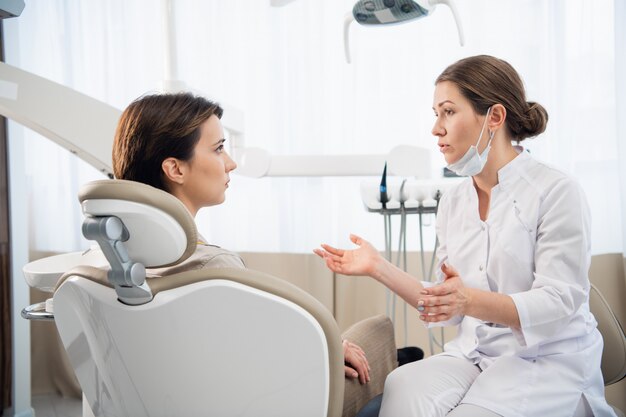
[
  {"x": 346, "y": 35},
  {"x": 455, "y": 14}
]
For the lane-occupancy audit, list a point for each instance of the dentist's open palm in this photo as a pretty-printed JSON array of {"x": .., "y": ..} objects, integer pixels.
[{"x": 359, "y": 261}]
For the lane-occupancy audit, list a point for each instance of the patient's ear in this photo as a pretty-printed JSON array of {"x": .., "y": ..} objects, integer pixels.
[{"x": 174, "y": 170}]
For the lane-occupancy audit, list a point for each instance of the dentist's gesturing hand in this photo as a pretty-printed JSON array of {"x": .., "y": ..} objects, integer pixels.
[
  {"x": 446, "y": 300},
  {"x": 360, "y": 261},
  {"x": 366, "y": 260}
]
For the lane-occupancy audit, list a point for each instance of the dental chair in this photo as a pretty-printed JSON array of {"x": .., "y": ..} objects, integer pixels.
[
  {"x": 208, "y": 342},
  {"x": 614, "y": 353}
]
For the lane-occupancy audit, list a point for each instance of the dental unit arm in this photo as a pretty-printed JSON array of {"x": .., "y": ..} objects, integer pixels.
[
  {"x": 83, "y": 125},
  {"x": 389, "y": 12}
]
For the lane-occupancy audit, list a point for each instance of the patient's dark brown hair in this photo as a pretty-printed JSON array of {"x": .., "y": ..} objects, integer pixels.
[{"x": 156, "y": 127}]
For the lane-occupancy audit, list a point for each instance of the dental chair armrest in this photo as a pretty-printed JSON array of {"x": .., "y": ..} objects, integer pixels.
[
  {"x": 37, "y": 311},
  {"x": 376, "y": 337}
]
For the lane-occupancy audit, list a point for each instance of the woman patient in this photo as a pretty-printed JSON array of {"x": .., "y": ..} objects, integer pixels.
[{"x": 175, "y": 142}]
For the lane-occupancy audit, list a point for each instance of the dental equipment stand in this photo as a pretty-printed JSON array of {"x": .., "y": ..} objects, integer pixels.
[{"x": 411, "y": 197}]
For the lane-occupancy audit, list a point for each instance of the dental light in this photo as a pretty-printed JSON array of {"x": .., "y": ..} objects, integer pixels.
[
  {"x": 11, "y": 8},
  {"x": 389, "y": 12}
]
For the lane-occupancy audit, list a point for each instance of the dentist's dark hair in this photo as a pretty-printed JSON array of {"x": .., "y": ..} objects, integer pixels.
[
  {"x": 156, "y": 127},
  {"x": 485, "y": 80}
]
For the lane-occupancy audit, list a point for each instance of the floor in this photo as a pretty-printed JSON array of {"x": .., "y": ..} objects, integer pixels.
[{"x": 51, "y": 405}]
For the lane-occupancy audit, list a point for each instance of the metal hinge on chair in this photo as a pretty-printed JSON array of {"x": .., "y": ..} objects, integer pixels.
[{"x": 128, "y": 277}]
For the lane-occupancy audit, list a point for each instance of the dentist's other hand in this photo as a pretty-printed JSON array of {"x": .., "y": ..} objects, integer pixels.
[
  {"x": 356, "y": 362},
  {"x": 446, "y": 300},
  {"x": 360, "y": 261}
]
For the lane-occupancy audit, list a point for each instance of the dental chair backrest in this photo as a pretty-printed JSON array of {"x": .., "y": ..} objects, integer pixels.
[{"x": 212, "y": 342}]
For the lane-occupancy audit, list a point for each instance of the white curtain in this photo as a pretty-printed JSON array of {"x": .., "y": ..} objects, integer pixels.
[{"x": 284, "y": 68}]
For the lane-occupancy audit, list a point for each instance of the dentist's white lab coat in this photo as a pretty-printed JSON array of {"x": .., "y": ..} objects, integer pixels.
[{"x": 535, "y": 247}]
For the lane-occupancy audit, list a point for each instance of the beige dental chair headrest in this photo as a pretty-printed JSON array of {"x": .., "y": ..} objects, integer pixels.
[{"x": 162, "y": 231}]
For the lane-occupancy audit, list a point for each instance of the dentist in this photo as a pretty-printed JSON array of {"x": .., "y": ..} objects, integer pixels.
[{"x": 514, "y": 255}]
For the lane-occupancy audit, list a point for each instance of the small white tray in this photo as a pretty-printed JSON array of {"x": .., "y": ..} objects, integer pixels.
[{"x": 44, "y": 273}]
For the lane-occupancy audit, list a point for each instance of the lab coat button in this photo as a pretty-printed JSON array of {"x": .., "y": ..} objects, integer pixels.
[{"x": 480, "y": 268}]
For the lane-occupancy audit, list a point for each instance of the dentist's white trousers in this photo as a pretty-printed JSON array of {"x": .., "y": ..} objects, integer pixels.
[{"x": 434, "y": 387}]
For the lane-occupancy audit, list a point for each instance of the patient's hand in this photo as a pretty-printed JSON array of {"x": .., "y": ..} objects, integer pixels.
[
  {"x": 360, "y": 261},
  {"x": 356, "y": 362}
]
